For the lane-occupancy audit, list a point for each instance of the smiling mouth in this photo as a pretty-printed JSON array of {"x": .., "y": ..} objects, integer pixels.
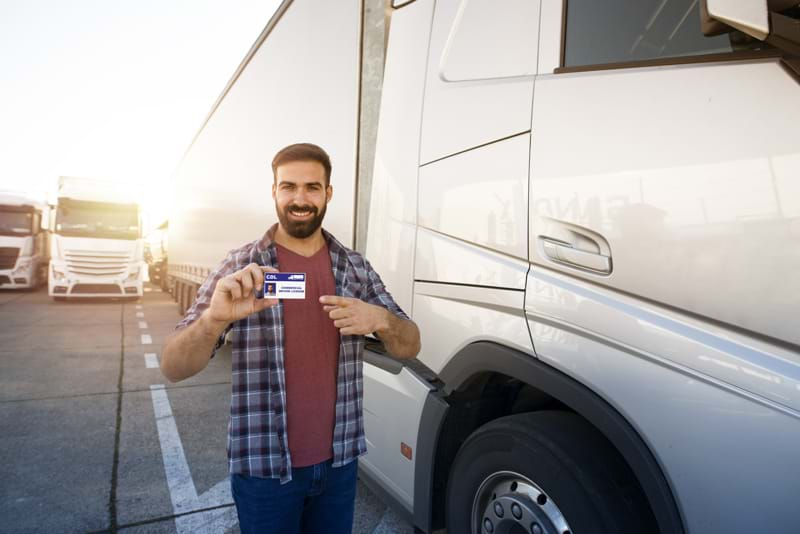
[{"x": 301, "y": 213}]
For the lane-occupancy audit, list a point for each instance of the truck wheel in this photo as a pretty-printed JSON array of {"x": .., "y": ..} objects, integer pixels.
[{"x": 543, "y": 473}]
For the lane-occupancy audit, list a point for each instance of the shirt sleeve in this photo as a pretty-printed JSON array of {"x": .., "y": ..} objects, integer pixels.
[
  {"x": 203, "y": 299},
  {"x": 378, "y": 295}
]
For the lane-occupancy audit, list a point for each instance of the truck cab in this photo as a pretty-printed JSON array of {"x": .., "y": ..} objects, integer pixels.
[
  {"x": 24, "y": 242},
  {"x": 97, "y": 249}
]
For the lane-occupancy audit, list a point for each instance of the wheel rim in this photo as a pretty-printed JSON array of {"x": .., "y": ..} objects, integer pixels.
[{"x": 510, "y": 503}]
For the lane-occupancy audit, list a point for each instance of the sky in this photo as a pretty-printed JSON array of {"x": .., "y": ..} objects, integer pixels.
[{"x": 113, "y": 89}]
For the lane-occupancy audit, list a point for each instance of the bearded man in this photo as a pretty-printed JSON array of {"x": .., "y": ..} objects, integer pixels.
[{"x": 296, "y": 428}]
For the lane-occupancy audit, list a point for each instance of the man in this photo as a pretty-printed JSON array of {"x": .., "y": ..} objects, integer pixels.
[{"x": 296, "y": 427}]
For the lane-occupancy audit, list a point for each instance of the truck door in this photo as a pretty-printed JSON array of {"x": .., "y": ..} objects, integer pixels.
[{"x": 666, "y": 165}]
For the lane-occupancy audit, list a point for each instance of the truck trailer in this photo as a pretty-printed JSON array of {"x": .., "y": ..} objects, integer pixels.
[
  {"x": 97, "y": 249},
  {"x": 591, "y": 210},
  {"x": 24, "y": 241}
]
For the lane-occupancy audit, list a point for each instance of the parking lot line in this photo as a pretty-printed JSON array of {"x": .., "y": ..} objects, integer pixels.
[
  {"x": 143, "y": 325},
  {"x": 182, "y": 490},
  {"x": 151, "y": 360},
  {"x": 146, "y": 339}
]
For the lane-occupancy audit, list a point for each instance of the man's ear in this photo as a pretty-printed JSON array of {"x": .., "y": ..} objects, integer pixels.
[
  {"x": 328, "y": 193},
  {"x": 274, "y": 186}
]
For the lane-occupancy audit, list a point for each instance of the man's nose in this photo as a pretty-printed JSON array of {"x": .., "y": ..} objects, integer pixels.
[{"x": 301, "y": 197}]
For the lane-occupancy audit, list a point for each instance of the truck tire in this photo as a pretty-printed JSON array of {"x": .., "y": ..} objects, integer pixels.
[{"x": 543, "y": 472}]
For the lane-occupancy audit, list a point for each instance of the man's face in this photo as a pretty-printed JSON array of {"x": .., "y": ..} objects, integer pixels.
[{"x": 301, "y": 197}]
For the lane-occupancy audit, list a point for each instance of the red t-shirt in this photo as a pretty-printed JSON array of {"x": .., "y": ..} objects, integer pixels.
[{"x": 311, "y": 358}]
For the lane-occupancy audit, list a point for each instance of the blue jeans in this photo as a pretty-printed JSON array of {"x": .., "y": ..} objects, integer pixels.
[{"x": 319, "y": 498}]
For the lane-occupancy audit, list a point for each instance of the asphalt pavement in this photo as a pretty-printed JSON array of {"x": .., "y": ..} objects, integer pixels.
[{"x": 94, "y": 439}]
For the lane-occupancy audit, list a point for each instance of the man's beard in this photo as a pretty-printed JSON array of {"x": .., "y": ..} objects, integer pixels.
[{"x": 301, "y": 229}]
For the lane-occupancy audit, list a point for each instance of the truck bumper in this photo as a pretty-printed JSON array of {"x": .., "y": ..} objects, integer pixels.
[
  {"x": 82, "y": 289},
  {"x": 14, "y": 280}
]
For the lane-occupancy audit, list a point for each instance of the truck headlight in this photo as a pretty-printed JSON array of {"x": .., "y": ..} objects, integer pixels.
[
  {"x": 58, "y": 274},
  {"x": 22, "y": 265},
  {"x": 133, "y": 274}
]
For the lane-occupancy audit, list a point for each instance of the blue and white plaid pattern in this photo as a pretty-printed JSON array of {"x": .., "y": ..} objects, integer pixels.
[{"x": 257, "y": 437}]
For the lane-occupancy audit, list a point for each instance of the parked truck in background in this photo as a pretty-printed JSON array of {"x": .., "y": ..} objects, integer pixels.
[
  {"x": 591, "y": 210},
  {"x": 97, "y": 248},
  {"x": 24, "y": 241}
]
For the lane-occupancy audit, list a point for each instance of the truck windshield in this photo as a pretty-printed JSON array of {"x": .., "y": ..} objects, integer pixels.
[
  {"x": 15, "y": 223},
  {"x": 97, "y": 219}
]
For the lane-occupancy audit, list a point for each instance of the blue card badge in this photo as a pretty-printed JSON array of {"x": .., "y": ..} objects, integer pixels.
[{"x": 284, "y": 285}]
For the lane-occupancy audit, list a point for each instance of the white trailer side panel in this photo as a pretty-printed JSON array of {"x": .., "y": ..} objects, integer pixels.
[{"x": 300, "y": 85}]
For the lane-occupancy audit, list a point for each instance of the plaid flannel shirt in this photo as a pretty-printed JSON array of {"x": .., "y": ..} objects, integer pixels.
[{"x": 257, "y": 437}]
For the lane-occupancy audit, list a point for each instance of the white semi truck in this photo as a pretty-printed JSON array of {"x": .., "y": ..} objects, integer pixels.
[
  {"x": 97, "y": 248},
  {"x": 24, "y": 241},
  {"x": 591, "y": 210}
]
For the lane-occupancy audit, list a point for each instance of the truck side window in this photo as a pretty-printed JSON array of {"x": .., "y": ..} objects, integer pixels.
[{"x": 622, "y": 31}]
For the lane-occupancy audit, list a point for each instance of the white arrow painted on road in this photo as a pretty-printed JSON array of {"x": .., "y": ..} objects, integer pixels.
[{"x": 182, "y": 490}]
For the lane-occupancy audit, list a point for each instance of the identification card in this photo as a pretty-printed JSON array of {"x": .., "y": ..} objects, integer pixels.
[{"x": 284, "y": 285}]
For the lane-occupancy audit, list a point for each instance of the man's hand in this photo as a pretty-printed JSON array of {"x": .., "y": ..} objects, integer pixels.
[
  {"x": 355, "y": 317},
  {"x": 234, "y": 296}
]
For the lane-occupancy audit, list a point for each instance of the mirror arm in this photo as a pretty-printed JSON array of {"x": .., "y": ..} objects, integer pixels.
[{"x": 784, "y": 33}]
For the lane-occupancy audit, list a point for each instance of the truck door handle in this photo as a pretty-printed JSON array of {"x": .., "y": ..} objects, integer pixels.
[{"x": 565, "y": 253}]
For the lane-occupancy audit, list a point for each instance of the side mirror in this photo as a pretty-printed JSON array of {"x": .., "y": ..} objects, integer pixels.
[{"x": 757, "y": 18}]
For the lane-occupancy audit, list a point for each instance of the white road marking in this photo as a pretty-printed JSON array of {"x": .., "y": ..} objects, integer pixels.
[
  {"x": 146, "y": 339},
  {"x": 182, "y": 490},
  {"x": 138, "y": 306},
  {"x": 151, "y": 360},
  {"x": 139, "y": 314},
  {"x": 148, "y": 289},
  {"x": 142, "y": 325}
]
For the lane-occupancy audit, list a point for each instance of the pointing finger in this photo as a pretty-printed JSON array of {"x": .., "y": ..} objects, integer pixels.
[{"x": 336, "y": 301}]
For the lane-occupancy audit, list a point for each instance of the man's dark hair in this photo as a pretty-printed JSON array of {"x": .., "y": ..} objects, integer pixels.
[{"x": 302, "y": 152}]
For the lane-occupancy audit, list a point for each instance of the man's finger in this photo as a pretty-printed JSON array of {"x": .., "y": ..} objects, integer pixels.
[
  {"x": 338, "y": 313},
  {"x": 230, "y": 285},
  {"x": 265, "y": 269},
  {"x": 347, "y": 331},
  {"x": 336, "y": 301},
  {"x": 343, "y": 323},
  {"x": 256, "y": 276},
  {"x": 327, "y": 309},
  {"x": 246, "y": 282}
]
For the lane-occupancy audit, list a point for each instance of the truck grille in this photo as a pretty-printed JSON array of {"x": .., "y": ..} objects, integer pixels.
[
  {"x": 96, "y": 288},
  {"x": 8, "y": 257},
  {"x": 96, "y": 263}
]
